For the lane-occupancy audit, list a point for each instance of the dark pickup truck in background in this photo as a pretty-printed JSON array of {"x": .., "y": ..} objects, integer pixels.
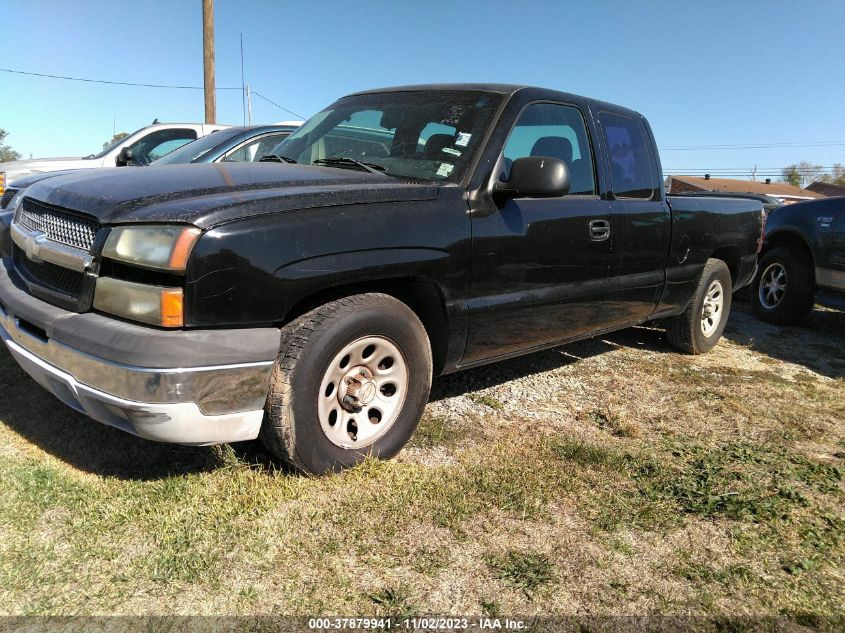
[
  {"x": 803, "y": 259},
  {"x": 398, "y": 234}
]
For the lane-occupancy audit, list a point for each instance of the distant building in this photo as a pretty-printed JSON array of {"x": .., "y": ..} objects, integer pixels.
[
  {"x": 781, "y": 190},
  {"x": 826, "y": 189}
]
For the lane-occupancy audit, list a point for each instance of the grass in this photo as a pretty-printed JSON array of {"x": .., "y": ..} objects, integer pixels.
[
  {"x": 394, "y": 603},
  {"x": 440, "y": 431},
  {"x": 488, "y": 401},
  {"x": 526, "y": 571},
  {"x": 643, "y": 482},
  {"x": 614, "y": 423}
]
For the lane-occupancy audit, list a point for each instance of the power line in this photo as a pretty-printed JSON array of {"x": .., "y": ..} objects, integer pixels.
[
  {"x": 760, "y": 170},
  {"x": 103, "y": 81},
  {"x": 128, "y": 83},
  {"x": 717, "y": 170},
  {"x": 724, "y": 172},
  {"x": 683, "y": 148},
  {"x": 258, "y": 94},
  {"x": 766, "y": 168}
]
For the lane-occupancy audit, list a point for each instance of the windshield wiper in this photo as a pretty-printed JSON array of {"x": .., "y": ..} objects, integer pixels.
[
  {"x": 344, "y": 160},
  {"x": 276, "y": 158}
]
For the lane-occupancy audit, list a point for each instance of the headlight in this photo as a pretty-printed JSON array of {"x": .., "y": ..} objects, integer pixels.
[
  {"x": 156, "y": 247},
  {"x": 140, "y": 302},
  {"x": 15, "y": 203}
]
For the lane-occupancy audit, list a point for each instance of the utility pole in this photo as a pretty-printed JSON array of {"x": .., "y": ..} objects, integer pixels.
[
  {"x": 208, "y": 60},
  {"x": 249, "y": 103},
  {"x": 243, "y": 87}
]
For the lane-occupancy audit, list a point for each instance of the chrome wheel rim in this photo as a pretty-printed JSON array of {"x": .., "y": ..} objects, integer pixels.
[
  {"x": 772, "y": 285},
  {"x": 711, "y": 311},
  {"x": 362, "y": 392}
]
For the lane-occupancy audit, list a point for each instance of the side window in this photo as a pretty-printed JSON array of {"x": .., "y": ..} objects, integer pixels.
[
  {"x": 158, "y": 143},
  {"x": 267, "y": 143},
  {"x": 256, "y": 149},
  {"x": 548, "y": 129},
  {"x": 632, "y": 172}
]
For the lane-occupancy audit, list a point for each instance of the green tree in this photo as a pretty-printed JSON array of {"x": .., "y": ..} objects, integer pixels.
[
  {"x": 791, "y": 175},
  {"x": 807, "y": 173},
  {"x": 836, "y": 175},
  {"x": 114, "y": 139},
  {"x": 6, "y": 152}
]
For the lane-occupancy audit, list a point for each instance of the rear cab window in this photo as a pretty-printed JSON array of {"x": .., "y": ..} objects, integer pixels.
[{"x": 633, "y": 173}]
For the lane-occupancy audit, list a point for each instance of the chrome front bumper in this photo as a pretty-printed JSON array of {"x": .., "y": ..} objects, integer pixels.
[{"x": 199, "y": 405}]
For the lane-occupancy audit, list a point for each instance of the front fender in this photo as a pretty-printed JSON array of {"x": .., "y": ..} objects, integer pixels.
[
  {"x": 255, "y": 270},
  {"x": 790, "y": 234}
]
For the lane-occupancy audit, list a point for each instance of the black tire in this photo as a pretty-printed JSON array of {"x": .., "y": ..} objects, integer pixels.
[
  {"x": 685, "y": 331},
  {"x": 792, "y": 304},
  {"x": 292, "y": 429}
]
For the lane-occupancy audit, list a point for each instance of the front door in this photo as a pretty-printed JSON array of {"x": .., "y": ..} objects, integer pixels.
[
  {"x": 540, "y": 265},
  {"x": 832, "y": 273}
]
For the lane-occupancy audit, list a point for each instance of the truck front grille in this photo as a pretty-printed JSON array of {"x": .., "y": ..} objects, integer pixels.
[
  {"x": 64, "y": 228},
  {"x": 55, "y": 278}
]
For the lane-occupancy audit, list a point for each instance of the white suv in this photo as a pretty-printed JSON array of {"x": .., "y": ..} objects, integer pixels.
[{"x": 143, "y": 146}]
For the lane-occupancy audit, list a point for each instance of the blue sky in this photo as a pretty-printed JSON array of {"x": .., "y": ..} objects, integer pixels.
[{"x": 718, "y": 73}]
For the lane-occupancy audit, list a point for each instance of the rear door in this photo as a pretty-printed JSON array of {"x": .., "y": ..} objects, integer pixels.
[
  {"x": 640, "y": 218},
  {"x": 540, "y": 265}
]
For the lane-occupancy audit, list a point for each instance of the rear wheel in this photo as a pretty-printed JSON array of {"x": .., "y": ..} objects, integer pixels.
[
  {"x": 784, "y": 287},
  {"x": 351, "y": 380},
  {"x": 700, "y": 326}
]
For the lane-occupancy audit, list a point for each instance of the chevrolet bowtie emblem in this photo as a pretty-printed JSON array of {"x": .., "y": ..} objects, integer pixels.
[{"x": 33, "y": 245}]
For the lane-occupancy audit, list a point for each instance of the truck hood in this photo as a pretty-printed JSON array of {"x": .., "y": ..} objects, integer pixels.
[
  {"x": 25, "y": 181},
  {"x": 209, "y": 194},
  {"x": 18, "y": 168}
]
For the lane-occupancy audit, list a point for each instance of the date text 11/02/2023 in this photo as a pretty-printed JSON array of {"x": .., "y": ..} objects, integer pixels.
[{"x": 416, "y": 624}]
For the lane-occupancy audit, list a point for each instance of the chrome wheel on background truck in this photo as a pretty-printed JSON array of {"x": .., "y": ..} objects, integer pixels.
[{"x": 784, "y": 287}]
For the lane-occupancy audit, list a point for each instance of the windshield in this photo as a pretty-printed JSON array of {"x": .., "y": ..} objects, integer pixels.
[
  {"x": 194, "y": 150},
  {"x": 111, "y": 146},
  {"x": 429, "y": 135}
]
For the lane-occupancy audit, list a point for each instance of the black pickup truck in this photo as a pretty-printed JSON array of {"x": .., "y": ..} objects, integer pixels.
[
  {"x": 398, "y": 234},
  {"x": 803, "y": 259}
]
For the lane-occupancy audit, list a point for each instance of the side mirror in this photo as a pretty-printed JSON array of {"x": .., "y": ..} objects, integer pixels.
[
  {"x": 536, "y": 177},
  {"x": 126, "y": 157}
]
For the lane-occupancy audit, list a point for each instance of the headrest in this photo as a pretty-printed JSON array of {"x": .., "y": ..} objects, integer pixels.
[
  {"x": 554, "y": 146},
  {"x": 435, "y": 143}
]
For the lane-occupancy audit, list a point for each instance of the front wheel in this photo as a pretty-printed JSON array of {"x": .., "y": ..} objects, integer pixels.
[
  {"x": 700, "y": 326},
  {"x": 784, "y": 287},
  {"x": 351, "y": 380}
]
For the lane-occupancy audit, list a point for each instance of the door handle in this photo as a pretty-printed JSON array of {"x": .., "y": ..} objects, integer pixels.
[{"x": 599, "y": 230}]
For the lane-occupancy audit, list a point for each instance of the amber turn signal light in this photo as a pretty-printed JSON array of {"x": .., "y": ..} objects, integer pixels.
[{"x": 172, "y": 311}]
